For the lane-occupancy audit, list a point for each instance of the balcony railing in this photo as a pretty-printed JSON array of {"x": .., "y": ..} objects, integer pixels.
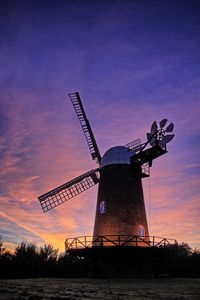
[{"x": 104, "y": 241}]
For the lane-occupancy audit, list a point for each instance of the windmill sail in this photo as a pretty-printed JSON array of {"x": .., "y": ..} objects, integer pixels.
[
  {"x": 170, "y": 127},
  {"x": 163, "y": 123},
  {"x": 69, "y": 190},
  {"x": 78, "y": 106}
]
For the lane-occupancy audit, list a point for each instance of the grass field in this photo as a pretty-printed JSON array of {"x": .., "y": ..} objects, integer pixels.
[{"x": 113, "y": 289}]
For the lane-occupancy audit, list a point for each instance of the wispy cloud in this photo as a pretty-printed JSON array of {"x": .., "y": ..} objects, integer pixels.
[{"x": 132, "y": 64}]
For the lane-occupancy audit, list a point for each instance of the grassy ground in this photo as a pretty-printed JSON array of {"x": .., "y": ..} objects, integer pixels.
[{"x": 107, "y": 289}]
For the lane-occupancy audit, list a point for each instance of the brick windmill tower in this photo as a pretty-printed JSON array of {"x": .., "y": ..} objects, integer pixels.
[{"x": 120, "y": 211}]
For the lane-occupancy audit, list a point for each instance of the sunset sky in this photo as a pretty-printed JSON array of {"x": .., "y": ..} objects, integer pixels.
[{"x": 132, "y": 62}]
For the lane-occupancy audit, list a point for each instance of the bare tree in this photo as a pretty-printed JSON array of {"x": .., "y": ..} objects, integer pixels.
[
  {"x": 2, "y": 248},
  {"x": 47, "y": 252}
]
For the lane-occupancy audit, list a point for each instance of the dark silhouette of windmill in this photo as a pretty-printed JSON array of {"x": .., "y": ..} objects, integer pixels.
[{"x": 120, "y": 206}]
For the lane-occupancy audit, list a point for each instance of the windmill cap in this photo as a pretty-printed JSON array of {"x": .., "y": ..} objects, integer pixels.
[{"x": 116, "y": 155}]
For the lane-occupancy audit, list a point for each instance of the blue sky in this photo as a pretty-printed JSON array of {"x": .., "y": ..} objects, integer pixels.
[{"x": 133, "y": 62}]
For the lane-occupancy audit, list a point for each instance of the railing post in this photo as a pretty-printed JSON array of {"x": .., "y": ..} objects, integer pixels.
[
  {"x": 101, "y": 241},
  {"x": 119, "y": 240},
  {"x": 66, "y": 244}
]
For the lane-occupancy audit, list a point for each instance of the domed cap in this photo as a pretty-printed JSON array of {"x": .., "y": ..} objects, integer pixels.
[{"x": 116, "y": 155}]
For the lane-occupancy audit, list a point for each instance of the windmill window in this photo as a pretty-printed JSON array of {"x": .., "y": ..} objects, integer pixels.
[
  {"x": 102, "y": 207},
  {"x": 141, "y": 232}
]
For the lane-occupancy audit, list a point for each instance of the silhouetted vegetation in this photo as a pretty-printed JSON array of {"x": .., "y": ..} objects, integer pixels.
[
  {"x": 29, "y": 261},
  {"x": 185, "y": 262}
]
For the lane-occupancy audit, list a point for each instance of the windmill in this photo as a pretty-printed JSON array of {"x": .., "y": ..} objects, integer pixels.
[{"x": 120, "y": 208}]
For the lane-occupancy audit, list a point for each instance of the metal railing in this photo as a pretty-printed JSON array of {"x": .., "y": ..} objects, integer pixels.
[{"x": 104, "y": 241}]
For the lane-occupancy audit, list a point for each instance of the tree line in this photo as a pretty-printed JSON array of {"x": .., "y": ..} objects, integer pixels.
[{"x": 28, "y": 260}]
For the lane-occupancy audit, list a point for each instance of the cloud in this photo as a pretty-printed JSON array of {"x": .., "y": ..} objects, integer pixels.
[
  {"x": 128, "y": 75},
  {"x": 57, "y": 153},
  {"x": 172, "y": 203},
  {"x": 13, "y": 232},
  {"x": 26, "y": 171}
]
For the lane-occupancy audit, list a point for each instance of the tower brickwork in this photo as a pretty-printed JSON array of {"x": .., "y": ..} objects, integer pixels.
[{"x": 120, "y": 203}]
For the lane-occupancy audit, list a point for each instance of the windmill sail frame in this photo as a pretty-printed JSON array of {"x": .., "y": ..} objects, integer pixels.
[
  {"x": 85, "y": 124},
  {"x": 69, "y": 190}
]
